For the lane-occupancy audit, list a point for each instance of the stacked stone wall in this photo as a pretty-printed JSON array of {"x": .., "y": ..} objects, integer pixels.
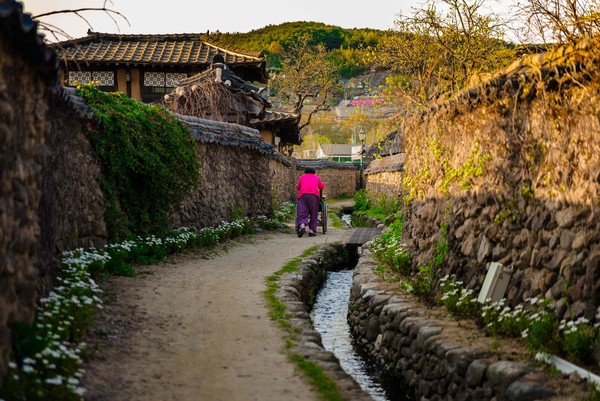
[
  {"x": 71, "y": 212},
  {"x": 511, "y": 169},
  {"x": 22, "y": 133},
  {"x": 283, "y": 181},
  {"x": 383, "y": 177},
  {"x": 384, "y": 183},
  {"x": 231, "y": 180}
]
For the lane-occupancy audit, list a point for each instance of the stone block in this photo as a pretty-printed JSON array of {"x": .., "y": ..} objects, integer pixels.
[
  {"x": 425, "y": 333},
  {"x": 460, "y": 358},
  {"x": 526, "y": 391},
  {"x": 476, "y": 372},
  {"x": 501, "y": 374}
]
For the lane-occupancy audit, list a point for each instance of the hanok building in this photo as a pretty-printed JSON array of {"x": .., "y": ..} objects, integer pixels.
[
  {"x": 146, "y": 67},
  {"x": 150, "y": 67}
]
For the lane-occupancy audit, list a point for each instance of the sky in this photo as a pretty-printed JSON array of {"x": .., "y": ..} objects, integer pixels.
[{"x": 198, "y": 16}]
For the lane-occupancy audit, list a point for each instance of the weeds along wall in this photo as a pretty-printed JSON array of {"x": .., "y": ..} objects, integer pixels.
[{"x": 512, "y": 168}]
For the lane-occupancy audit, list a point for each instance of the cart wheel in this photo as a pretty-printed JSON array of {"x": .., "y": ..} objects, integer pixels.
[{"x": 324, "y": 218}]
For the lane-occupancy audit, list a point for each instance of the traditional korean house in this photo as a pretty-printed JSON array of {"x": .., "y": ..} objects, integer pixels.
[
  {"x": 146, "y": 67},
  {"x": 219, "y": 94}
]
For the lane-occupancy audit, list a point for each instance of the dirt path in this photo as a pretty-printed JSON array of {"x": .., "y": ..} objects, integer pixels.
[{"x": 197, "y": 328}]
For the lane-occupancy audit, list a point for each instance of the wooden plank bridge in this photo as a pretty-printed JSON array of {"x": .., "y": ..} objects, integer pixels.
[{"x": 361, "y": 235}]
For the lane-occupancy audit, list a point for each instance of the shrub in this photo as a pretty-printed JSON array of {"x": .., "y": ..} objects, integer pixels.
[
  {"x": 148, "y": 160},
  {"x": 389, "y": 249},
  {"x": 361, "y": 200}
]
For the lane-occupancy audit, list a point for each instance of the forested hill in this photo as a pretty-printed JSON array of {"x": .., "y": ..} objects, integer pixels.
[{"x": 346, "y": 46}]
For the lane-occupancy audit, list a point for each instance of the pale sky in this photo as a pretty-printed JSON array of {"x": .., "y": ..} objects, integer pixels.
[{"x": 198, "y": 16}]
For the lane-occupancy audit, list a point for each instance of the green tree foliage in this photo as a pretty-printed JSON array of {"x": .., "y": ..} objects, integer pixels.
[
  {"x": 438, "y": 53},
  {"x": 148, "y": 159}
]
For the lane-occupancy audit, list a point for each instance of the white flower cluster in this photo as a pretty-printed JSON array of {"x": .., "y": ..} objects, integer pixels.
[
  {"x": 65, "y": 313},
  {"x": 285, "y": 211},
  {"x": 572, "y": 326},
  {"x": 59, "y": 320}
]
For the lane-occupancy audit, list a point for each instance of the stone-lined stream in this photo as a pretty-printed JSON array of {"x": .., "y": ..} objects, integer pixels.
[{"x": 329, "y": 318}]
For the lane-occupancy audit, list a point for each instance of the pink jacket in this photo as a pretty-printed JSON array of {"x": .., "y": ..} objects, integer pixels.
[{"x": 309, "y": 184}]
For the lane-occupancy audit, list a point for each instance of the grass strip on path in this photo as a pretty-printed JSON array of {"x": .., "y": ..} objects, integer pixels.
[{"x": 325, "y": 386}]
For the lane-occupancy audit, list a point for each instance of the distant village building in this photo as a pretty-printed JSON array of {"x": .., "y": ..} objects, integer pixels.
[
  {"x": 372, "y": 106},
  {"x": 146, "y": 67},
  {"x": 335, "y": 152}
]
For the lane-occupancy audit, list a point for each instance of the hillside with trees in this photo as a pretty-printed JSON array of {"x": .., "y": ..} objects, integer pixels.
[{"x": 347, "y": 48}]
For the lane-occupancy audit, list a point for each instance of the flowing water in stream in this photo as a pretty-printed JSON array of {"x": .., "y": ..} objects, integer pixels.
[{"x": 329, "y": 318}]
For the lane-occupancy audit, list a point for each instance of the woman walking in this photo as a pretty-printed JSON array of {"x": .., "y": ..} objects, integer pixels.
[{"x": 309, "y": 188}]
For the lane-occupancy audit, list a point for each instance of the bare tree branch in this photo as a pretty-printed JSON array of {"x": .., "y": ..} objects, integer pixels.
[{"x": 55, "y": 31}]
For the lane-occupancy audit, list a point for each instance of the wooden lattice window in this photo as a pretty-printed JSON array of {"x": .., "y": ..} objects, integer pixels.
[
  {"x": 158, "y": 84},
  {"x": 104, "y": 78}
]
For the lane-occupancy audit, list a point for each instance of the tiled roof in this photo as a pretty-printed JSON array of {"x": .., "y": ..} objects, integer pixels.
[
  {"x": 181, "y": 49},
  {"x": 231, "y": 135},
  {"x": 276, "y": 116},
  {"x": 366, "y": 101},
  {"x": 386, "y": 164},
  {"x": 390, "y": 145},
  {"x": 336, "y": 149},
  {"x": 21, "y": 33}
]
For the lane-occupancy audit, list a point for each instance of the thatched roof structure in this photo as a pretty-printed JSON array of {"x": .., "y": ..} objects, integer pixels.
[{"x": 217, "y": 94}]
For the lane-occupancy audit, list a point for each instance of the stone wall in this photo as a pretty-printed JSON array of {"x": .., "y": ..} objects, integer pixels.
[
  {"x": 283, "y": 181},
  {"x": 437, "y": 360},
  {"x": 383, "y": 177},
  {"x": 23, "y": 128},
  {"x": 511, "y": 169},
  {"x": 230, "y": 181},
  {"x": 71, "y": 212}
]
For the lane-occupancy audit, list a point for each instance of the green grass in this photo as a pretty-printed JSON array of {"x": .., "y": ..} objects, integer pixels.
[
  {"x": 325, "y": 386},
  {"x": 336, "y": 222},
  {"x": 276, "y": 307},
  {"x": 340, "y": 197}
]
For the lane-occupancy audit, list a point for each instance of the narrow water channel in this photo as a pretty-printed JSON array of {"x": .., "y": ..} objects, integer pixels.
[{"x": 329, "y": 318}]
